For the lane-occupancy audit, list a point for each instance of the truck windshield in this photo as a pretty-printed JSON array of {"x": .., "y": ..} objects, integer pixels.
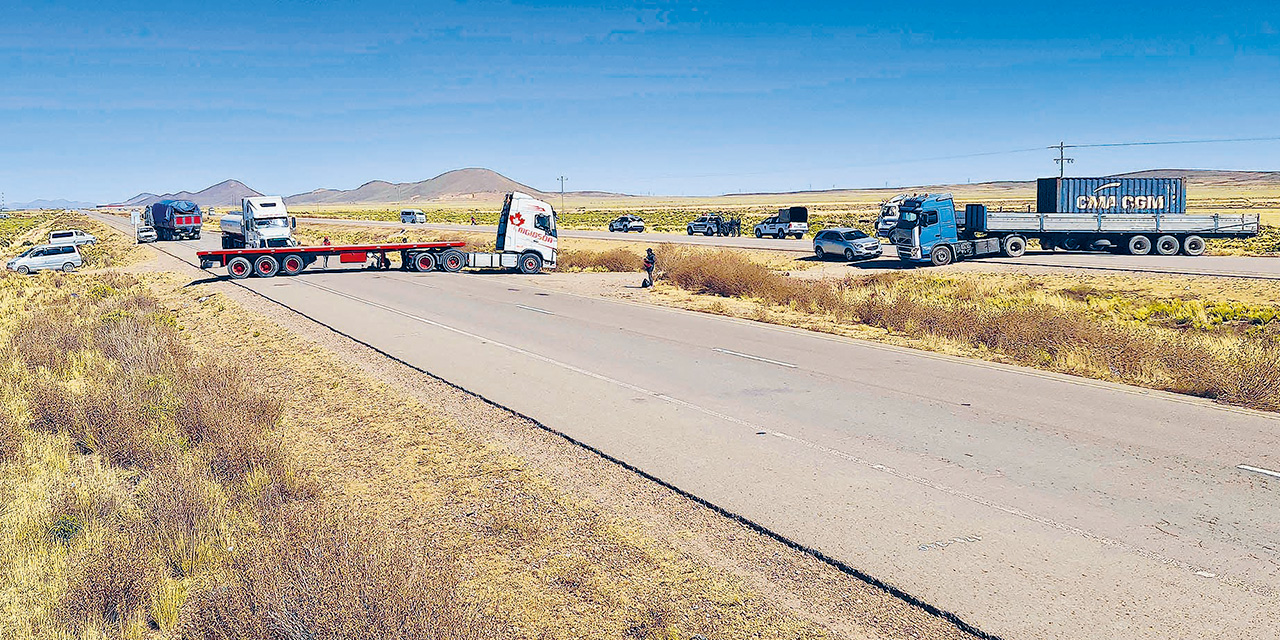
[
  {"x": 908, "y": 219},
  {"x": 271, "y": 222}
]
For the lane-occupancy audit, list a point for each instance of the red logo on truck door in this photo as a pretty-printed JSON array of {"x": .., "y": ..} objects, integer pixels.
[{"x": 517, "y": 219}]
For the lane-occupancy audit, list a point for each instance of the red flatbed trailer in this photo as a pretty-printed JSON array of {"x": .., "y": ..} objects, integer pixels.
[{"x": 268, "y": 261}]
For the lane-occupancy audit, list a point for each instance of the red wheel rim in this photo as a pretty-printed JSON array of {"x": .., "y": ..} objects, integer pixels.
[
  {"x": 454, "y": 263},
  {"x": 425, "y": 262},
  {"x": 264, "y": 267},
  {"x": 237, "y": 268},
  {"x": 293, "y": 264},
  {"x": 530, "y": 264}
]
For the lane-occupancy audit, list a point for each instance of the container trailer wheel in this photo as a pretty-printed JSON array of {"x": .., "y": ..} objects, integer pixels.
[
  {"x": 292, "y": 265},
  {"x": 1071, "y": 243},
  {"x": 1193, "y": 245},
  {"x": 1046, "y": 244},
  {"x": 1167, "y": 245},
  {"x": 1138, "y": 245},
  {"x": 530, "y": 263},
  {"x": 239, "y": 267},
  {"x": 941, "y": 255},
  {"x": 1014, "y": 246},
  {"x": 452, "y": 260},
  {"x": 424, "y": 262},
  {"x": 266, "y": 266},
  {"x": 196, "y": 236}
]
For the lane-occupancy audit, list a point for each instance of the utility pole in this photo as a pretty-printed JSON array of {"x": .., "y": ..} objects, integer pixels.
[
  {"x": 562, "y": 179},
  {"x": 1062, "y": 159}
]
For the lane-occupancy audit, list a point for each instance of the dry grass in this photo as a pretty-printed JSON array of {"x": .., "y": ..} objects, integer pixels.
[
  {"x": 615, "y": 259},
  {"x": 1229, "y": 356},
  {"x": 109, "y": 579}
]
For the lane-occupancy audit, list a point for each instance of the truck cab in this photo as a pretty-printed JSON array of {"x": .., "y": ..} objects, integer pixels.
[
  {"x": 924, "y": 222},
  {"x": 261, "y": 222},
  {"x": 527, "y": 236}
]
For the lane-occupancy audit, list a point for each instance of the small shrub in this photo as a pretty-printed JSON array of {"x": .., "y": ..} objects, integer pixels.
[
  {"x": 108, "y": 581},
  {"x": 64, "y": 528},
  {"x": 614, "y": 260}
]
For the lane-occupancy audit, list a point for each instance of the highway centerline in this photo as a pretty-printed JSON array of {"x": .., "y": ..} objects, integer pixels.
[
  {"x": 528, "y": 308},
  {"x": 1265, "y": 472},
  {"x": 758, "y": 358}
]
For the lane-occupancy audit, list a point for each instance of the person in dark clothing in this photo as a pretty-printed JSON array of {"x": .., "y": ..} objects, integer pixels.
[
  {"x": 650, "y": 263},
  {"x": 326, "y": 258}
]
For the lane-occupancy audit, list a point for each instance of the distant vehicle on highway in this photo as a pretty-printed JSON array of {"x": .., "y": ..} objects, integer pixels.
[
  {"x": 627, "y": 223},
  {"x": 71, "y": 236},
  {"x": 707, "y": 226},
  {"x": 147, "y": 234},
  {"x": 4, "y": 216},
  {"x": 413, "y": 216},
  {"x": 174, "y": 219},
  {"x": 791, "y": 221},
  {"x": 65, "y": 257},
  {"x": 850, "y": 243}
]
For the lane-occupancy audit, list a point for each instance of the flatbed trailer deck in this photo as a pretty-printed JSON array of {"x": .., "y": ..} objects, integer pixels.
[{"x": 266, "y": 262}]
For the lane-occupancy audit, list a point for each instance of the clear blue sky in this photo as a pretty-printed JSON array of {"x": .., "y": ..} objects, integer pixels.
[{"x": 100, "y": 102}]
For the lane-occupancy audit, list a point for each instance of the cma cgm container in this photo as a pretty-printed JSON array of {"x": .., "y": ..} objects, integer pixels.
[{"x": 1111, "y": 195}]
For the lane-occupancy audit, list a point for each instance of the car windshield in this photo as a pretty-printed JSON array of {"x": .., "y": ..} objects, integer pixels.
[
  {"x": 854, "y": 235},
  {"x": 27, "y": 252},
  {"x": 271, "y": 222}
]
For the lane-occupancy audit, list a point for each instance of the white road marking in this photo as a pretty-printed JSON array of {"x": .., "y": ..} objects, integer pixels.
[
  {"x": 902, "y": 475},
  {"x": 751, "y": 357},
  {"x": 1265, "y": 472},
  {"x": 528, "y": 308}
]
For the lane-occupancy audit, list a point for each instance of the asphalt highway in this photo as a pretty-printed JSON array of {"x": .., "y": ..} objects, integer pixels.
[
  {"x": 1227, "y": 266},
  {"x": 1029, "y": 504}
]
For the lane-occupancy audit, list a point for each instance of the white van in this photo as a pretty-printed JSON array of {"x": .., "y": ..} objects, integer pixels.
[
  {"x": 71, "y": 236},
  {"x": 46, "y": 256},
  {"x": 413, "y": 216}
]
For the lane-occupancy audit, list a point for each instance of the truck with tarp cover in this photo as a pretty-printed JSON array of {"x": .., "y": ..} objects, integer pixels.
[{"x": 175, "y": 219}]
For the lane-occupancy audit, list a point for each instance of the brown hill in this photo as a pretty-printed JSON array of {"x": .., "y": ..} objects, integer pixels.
[
  {"x": 224, "y": 194},
  {"x": 1212, "y": 176},
  {"x": 481, "y": 184}
]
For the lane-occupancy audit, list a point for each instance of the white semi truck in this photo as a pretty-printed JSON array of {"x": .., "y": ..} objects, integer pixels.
[{"x": 259, "y": 241}]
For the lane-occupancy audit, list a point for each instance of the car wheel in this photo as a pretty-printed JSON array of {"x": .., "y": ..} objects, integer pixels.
[
  {"x": 940, "y": 256},
  {"x": 689, "y": 230},
  {"x": 1167, "y": 245},
  {"x": 530, "y": 263},
  {"x": 1193, "y": 245},
  {"x": 266, "y": 266},
  {"x": 23, "y": 270},
  {"x": 817, "y": 251},
  {"x": 67, "y": 267},
  {"x": 239, "y": 267},
  {"x": 848, "y": 255}
]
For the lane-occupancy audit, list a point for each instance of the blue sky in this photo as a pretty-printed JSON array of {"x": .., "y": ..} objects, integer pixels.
[{"x": 100, "y": 102}]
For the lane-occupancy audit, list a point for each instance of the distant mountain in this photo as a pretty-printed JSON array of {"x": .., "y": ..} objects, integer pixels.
[
  {"x": 51, "y": 204},
  {"x": 224, "y": 194},
  {"x": 482, "y": 184}
]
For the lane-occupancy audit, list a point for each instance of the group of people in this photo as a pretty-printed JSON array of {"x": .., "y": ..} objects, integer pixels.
[{"x": 730, "y": 227}]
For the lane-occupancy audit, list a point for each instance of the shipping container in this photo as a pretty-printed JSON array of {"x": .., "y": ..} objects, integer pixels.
[{"x": 1111, "y": 195}]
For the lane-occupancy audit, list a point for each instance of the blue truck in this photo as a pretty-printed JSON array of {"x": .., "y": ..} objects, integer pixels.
[
  {"x": 1137, "y": 216},
  {"x": 175, "y": 219}
]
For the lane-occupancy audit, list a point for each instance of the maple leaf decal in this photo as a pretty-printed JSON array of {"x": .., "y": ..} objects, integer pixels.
[{"x": 517, "y": 220}]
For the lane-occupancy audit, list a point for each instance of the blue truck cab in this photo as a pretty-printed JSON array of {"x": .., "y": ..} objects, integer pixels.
[{"x": 924, "y": 222}]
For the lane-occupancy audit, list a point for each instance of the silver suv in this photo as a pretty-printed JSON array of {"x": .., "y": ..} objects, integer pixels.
[
  {"x": 849, "y": 243},
  {"x": 46, "y": 256},
  {"x": 71, "y": 236}
]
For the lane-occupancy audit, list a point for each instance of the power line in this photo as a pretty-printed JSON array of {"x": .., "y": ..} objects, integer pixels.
[{"x": 1163, "y": 142}]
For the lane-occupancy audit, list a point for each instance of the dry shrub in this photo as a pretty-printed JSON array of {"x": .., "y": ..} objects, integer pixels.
[
  {"x": 183, "y": 507},
  {"x": 46, "y": 337},
  {"x": 108, "y": 580},
  {"x": 147, "y": 344},
  {"x": 325, "y": 574},
  {"x": 10, "y": 436},
  {"x": 1250, "y": 377},
  {"x": 111, "y": 419},
  {"x": 615, "y": 260}
]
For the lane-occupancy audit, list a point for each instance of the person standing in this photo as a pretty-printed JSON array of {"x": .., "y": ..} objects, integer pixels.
[
  {"x": 326, "y": 243},
  {"x": 650, "y": 263}
]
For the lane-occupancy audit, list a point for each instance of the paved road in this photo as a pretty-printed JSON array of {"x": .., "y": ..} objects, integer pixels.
[
  {"x": 1031, "y": 505},
  {"x": 1231, "y": 266}
]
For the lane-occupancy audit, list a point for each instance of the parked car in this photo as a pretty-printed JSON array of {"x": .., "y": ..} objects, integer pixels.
[
  {"x": 4, "y": 216},
  {"x": 71, "y": 236},
  {"x": 706, "y": 225},
  {"x": 412, "y": 216},
  {"x": 147, "y": 234},
  {"x": 46, "y": 256},
  {"x": 627, "y": 223},
  {"x": 850, "y": 243},
  {"x": 791, "y": 221}
]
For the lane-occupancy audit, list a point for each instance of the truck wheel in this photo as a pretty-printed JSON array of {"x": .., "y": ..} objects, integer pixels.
[
  {"x": 1014, "y": 246},
  {"x": 1071, "y": 243},
  {"x": 941, "y": 255},
  {"x": 453, "y": 261},
  {"x": 424, "y": 262},
  {"x": 1046, "y": 244},
  {"x": 239, "y": 267},
  {"x": 1193, "y": 245},
  {"x": 292, "y": 265},
  {"x": 530, "y": 263},
  {"x": 68, "y": 267},
  {"x": 1167, "y": 245},
  {"x": 196, "y": 236},
  {"x": 266, "y": 266},
  {"x": 1138, "y": 245}
]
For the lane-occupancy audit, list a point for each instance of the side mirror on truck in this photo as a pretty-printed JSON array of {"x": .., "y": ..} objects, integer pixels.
[{"x": 293, "y": 222}]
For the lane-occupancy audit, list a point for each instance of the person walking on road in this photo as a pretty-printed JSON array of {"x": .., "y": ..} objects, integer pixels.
[
  {"x": 650, "y": 263},
  {"x": 326, "y": 243},
  {"x": 473, "y": 221}
]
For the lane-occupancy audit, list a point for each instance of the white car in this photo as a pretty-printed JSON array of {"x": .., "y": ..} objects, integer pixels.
[
  {"x": 71, "y": 236},
  {"x": 627, "y": 223},
  {"x": 412, "y": 216},
  {"x": 147, "y": 234},
  {"x": 46, "y": 256}
]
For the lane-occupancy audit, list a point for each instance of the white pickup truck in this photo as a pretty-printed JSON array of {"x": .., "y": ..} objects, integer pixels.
[{"x": 791, "y": 221}]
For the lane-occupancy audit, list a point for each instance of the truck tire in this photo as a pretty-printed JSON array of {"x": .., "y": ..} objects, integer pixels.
[
  {"x": 452, "y": 261},
  {"x": 196, "y": 236},
  {"x": 424, "y": 262},
  {"x": 1071, "y": 243},
  {"x": 1013, "y": 246},
  {"x": 942, "y": 256},
  {"x": 292, "y": 265},
  {"x": 1046, "y": 244},
  {"x": 239, "y": 268},
  {"x": 1167, "y": 245},
  {"x": 1138, "y": 245},
  {"x": 530, "y": 263},
  {"x": 759, "y": 233},
  {"x": 266, "y": 266},
  {"x": 1193, "y": 245}
]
